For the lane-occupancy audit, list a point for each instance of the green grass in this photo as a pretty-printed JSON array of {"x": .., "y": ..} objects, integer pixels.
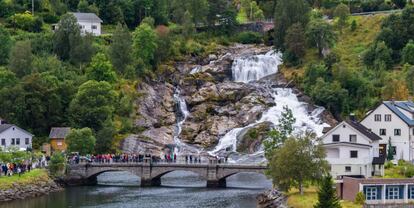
[
  {"x": 310, "y": 198},
  {"x": 31, "y": 177}
]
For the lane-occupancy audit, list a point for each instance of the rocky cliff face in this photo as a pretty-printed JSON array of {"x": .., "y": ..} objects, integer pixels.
[{"x": 215, "y": 103}]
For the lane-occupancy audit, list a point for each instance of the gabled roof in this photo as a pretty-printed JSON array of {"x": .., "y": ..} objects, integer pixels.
[
  {"x": 363, "y": 130},
  {"x": 358, "y": 127},
  {"x": 395, "y": 107},
  {"x": 88, "y": 17},
  {"x": 4, "y": 127},
  {"x": 59, "y": 132}
]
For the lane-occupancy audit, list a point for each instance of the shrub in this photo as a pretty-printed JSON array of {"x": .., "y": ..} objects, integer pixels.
[
  {"x": 26, "y": 21},
  {"x": 354, "y": 25},
  {"x": 360, "y": 198},
  {"x": 57, "y": 164},
  {"x": 388, "y": 165},
  {"x": 249, "y": 38}
]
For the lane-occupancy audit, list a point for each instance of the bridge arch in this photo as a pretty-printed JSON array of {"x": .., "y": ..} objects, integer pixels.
[
  {"x": 158, "y": 172},
  {"x": 93, "y": 172},
  {"x": 224, "y": 174}
]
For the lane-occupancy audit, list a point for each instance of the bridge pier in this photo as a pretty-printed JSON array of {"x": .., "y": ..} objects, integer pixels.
[
  {"x": 221, "y": 183},
  {"x": 148, "y": 182}
]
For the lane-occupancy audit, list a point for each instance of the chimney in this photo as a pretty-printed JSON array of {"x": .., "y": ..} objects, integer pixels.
[
  {"x": 352, "y": 117},
  {"x": 393, "y": 101}
]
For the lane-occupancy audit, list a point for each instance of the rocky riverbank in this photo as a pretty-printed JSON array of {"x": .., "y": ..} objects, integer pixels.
[
  {"x": 31, "y": 189},
  {"x": 271, "y": 199}
]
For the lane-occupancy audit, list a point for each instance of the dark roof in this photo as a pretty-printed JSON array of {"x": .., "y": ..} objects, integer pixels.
[
  {"x": 395, "y": 107},
  {"x": 350, "y": 143},
  {"x": 326, "y": 129},
  {"x": 364, "y": 130},
  {"x": 59, "y": 132},
  {"x": 4, "y": 127},
  {"x": 89, "y": 17}
]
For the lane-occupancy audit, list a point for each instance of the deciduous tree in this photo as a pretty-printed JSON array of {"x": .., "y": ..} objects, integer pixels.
[
  {"x": 120, "y": 50},
  {"x": 21, "y": 58},
  {"x": 81, "y": 141},
  {"x": 320, "y": 35},
  {"x": 342, "y": 12},
  {"x": 101, "y": 69}
]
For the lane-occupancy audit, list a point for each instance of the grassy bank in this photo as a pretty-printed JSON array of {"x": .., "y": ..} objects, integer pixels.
[
  {"x": 31, "y": 177},
  {"x": 309, "y": 199}
]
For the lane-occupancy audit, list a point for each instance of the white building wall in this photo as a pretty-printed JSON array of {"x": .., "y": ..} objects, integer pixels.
[
  {"x": 344, "y": 130},
  {"x": 402, "y": 142},
  {"x": 14, "y": 132},
  {"x": 86, "y": 27}
]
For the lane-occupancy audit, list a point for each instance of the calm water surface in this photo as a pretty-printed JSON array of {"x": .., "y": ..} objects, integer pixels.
[{"x": 179, "y": 189}]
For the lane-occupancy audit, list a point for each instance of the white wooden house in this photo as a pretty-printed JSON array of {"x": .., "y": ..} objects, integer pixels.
[
  {"x": 89, "y": 23},
  {"x": 353, "y": 150},
  {"x": 393, "y": 121},
  {"x": 13, "y": 136}
]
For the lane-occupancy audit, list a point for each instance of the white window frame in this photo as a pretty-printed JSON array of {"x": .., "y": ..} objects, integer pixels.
[
  {"x": 339, "y": 137},
  {"x": 371, "y": 193},
  {"x": 353, "y": 135},
  {"x": 393, "y": 192},
  {"x": 348, "y": 171},
  {"x": 350, "y": 154},
  {"x": 411, "y": 192},
  {"x": 397, "y": 130},
  {"x": 385, "y": 132}
]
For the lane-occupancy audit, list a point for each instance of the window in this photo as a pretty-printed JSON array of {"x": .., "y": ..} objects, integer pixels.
[
  {"x": 347, "y": 168},
  {"x": 354, "y": 154},
  {"x": 3, "y": 142},
  {"x": 59, "y": 143},
  {"x": 335, "y": 138},
  {"x": 17, "y": 141},
  {"x": 353, "y": 138},
  {"x": 371, "y": 193},
  {"x": 377, "y": 117},
  {"x": 13, "y": 141},
  {"x": 394, "y": 150},
  {"x": 411, "y": 192},
  {"x": 26, "y": 141},
  {"x": 94, "y": 27},
  {"x": 393, "y": 192},
  {"x": 387, "y": 117},
  {"x": 397, "y": 132},
  {"x": 383, "y": 132}
]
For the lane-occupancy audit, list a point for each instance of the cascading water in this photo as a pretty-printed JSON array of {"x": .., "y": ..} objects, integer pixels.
[
  {"x": 182, "y": 115},
  {"x": 252, "y": 69}
]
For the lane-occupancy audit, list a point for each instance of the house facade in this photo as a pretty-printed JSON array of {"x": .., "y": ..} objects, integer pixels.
[
  {"x": 89, "y": 23},
  {"x": 13, "y": 136},
  {"x": 352, "y": 150},
  {"x": 393, "y": 121},
  {"x": 57, "y": 138},
  {"x": 378, "y": 190}
]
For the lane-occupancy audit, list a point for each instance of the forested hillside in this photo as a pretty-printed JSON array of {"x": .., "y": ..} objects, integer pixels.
[{"x": 62, "y": 78}]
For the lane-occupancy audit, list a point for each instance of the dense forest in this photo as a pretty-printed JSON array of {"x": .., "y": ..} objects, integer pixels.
[{"x": 63, "y": 78}]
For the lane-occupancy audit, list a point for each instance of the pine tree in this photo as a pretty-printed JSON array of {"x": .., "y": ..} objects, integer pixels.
[
  {"x": 390, "y": 153},
  {"x": 326, "y": 195}
]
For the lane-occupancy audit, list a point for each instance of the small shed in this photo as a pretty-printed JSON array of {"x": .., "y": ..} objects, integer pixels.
[{"x": 57, "y": 138}]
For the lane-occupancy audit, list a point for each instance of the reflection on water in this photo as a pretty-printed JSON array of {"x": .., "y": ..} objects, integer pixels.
[{"x": 179, "y": 189}]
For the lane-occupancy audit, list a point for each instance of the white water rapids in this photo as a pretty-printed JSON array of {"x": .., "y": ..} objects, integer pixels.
[
  {"x": 246, "y": 70},
  {"x": 254, "y": 68}
]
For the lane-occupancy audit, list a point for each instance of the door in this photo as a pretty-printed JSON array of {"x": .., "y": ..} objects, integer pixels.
[{"x": 382, "y": 150}]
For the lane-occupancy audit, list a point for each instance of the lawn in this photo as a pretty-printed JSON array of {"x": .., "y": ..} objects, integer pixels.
[
  {"x": 309, "y": 199},
  {"x": 33, "y": 176}
]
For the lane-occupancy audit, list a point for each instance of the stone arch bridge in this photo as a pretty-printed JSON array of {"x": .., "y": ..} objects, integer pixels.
[{"x": 150, "y": 173}]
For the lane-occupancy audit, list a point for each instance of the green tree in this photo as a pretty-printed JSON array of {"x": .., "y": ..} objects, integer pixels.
[
  {"x": 188, "y": 25},
  {"x": 198, "y": 11},
  {"x": 287, "y": 13},
  {"x": 56, "y": 165},
  {"x": 342, "y": 12},
  {"x": 296, "y": 162},
  {"x": 83, "y": 6},
  {"x": 7, "y": 78},
  {"x": 378, "y": 57},
  {"x": 330, "y": 95},
  {"x": 409, "y": 77},
  {"x": 104, "y": 138},
  {"x": 399, "y": 3},
  {"x": 120, "y": 50},
  {"x": 81, "y": 141},
  {"x": 66, "y": 34},
  {"x": 354, "y": 25},
  {"x": 327, "y": 195},
  {"x": 101, "y": 69},
  {"x": 295, "y": 42},
  {"x": 21, "y": 58},
  {"x": 390, "y": 150},
  {"x": 5, "y": 45},
  {"x": 278, "y": 135},
  {"x": 81, "y": 50},
  {"x": 144, "y": 43},
  {"x": 320, "y": 35},
  {"x": 408, "y": 53},
  {"x": 92, "y": 105}
]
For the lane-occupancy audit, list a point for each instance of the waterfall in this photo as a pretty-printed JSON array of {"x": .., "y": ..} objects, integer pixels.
[
  {"x": 254, "y": 68},
  {"x": 182, "y": 115}
]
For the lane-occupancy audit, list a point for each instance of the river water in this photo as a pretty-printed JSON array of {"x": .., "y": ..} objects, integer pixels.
[{"x": 179, "y": 189}]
